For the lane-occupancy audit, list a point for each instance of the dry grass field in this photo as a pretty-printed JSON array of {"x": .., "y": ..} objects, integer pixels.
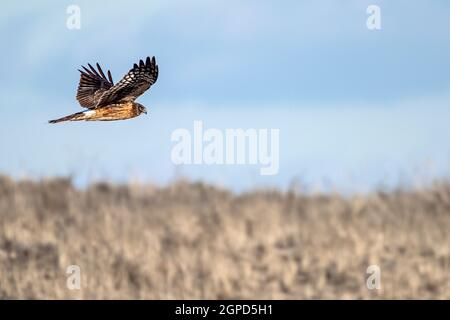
[{"x": 191, "y": 240}]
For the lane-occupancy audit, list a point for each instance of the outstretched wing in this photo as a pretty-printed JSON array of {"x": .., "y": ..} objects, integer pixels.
[
  {"x": 134, "y": 83},
  {"x": 92, "y": 86}
]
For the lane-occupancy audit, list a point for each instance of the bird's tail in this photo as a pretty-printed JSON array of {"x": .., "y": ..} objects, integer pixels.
[{"x": 73, "y": 117}]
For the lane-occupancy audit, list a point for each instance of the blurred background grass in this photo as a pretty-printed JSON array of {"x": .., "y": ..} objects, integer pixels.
[{"x": 192, "y": 240}]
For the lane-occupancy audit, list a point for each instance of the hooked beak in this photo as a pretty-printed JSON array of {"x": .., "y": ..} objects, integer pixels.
[{"x": 145, "y": 111}]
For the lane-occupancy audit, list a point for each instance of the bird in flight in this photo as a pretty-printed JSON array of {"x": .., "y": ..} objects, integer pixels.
[{"x": 107, "y": 101}]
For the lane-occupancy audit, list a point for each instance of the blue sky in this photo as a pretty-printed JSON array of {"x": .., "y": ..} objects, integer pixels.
[{"x": 356, "y": 109}]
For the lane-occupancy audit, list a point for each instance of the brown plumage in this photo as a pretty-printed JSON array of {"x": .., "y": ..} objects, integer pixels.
[{"x": 107, "y": 101}]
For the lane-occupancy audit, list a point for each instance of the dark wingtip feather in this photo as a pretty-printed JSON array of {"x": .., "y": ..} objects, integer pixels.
[
  {"x": 90, "y": 66},
  {"x": 101, "y": 71},
  {"x": 93, "y": 69},
  {"x": 110, "y": 77},
  {"x": 87, "y": 70}
]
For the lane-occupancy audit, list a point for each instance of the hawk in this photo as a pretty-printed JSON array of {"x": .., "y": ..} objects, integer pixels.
[{"x": 107, "y": 101}]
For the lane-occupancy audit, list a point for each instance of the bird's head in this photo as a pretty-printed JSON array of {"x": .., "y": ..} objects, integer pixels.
[{"x": 141, "y": 108}]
